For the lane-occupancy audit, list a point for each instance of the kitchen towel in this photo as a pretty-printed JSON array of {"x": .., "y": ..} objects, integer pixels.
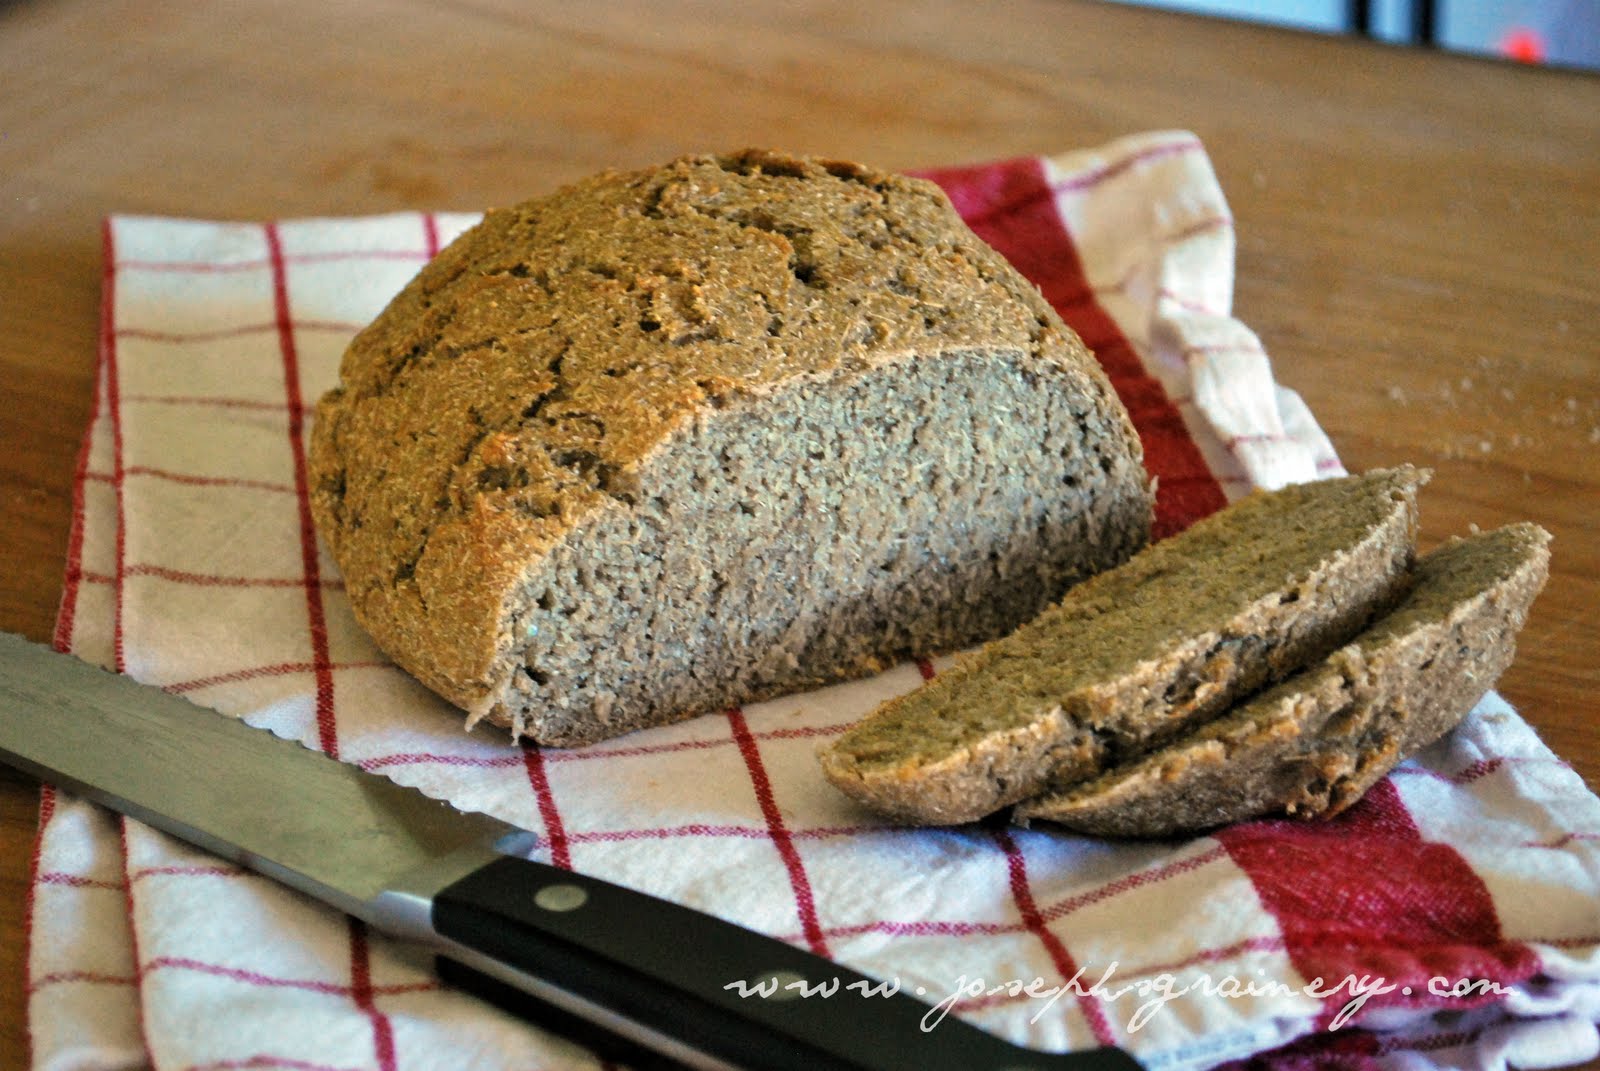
[{"x": 1451, "y": 919}]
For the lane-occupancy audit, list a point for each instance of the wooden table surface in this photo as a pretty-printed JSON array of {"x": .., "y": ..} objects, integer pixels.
[{"x": 1419, "y": 234}]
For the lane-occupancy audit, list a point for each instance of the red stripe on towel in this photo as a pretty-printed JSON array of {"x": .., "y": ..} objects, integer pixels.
[
  {"x": 362, "y": 993},
  {"x": 213, "y": 267},
  {"x": 554, "y": 830},
  {"x": 240, "y": 331},
  {"x": 805, "y": 903},
  {"x": 322, "y": 667},
  {"x": 430, "y": 234},
  {"x": 1365, "y": 896},
  {"x": 1060, "y": 958}
]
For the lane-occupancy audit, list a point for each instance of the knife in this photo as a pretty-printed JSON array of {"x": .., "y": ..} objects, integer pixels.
[{"x": 647, "y": 975}]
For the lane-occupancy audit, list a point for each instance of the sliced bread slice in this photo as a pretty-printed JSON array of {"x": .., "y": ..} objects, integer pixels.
[
  {"x": 1312, "y": 745},
  {"x": 1140, "y": 653}
]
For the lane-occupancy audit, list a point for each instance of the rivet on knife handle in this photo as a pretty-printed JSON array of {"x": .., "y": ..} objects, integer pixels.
[{"x": 679, "y": 974}]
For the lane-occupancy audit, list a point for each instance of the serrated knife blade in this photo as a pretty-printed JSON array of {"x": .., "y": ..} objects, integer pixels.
[{"x": 658, "y": 977}]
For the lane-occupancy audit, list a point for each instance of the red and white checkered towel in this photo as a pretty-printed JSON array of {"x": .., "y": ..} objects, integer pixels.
[{"x": 1453, "y": 918}]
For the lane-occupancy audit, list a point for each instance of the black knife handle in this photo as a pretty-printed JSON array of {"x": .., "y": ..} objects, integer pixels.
[
  {"x": 677, "y": 973},
  {"x": 610, "y": 1048}
]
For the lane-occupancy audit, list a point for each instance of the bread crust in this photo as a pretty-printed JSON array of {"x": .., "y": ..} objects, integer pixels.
[{"x": 518, "y": 392}]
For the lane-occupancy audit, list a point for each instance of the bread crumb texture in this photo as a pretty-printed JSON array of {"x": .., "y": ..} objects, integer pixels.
[{"x": 672, "y": 439}]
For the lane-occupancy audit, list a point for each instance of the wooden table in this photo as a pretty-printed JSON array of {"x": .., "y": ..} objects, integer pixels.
[{"x": 1419, "y": 234}]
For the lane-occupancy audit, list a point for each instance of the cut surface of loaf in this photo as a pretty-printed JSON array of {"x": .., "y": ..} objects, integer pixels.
[
  {"x": 1136, "y": 655},
  {"x": 674, "y": 439},
  {"x": 1312, "y": 745}
]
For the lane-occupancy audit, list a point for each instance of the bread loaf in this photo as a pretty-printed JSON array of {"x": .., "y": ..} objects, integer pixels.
[
  {"x": 673, "y": 439},
  {"x": 1141, "y": 653},
  {"x": 1314, "y": 744}
]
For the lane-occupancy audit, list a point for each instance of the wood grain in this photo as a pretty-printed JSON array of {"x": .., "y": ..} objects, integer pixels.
[{"x": 1417, "y": 232}]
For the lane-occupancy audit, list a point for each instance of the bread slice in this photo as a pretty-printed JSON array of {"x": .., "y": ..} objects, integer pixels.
[
  {"x": 1314, "y": 744},
  {"x": 673, "y": 439},
  {"x": 1140, "y": 653}
]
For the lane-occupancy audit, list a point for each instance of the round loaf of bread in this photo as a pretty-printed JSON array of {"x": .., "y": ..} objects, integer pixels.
[{"x": 674, "y": 439}]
